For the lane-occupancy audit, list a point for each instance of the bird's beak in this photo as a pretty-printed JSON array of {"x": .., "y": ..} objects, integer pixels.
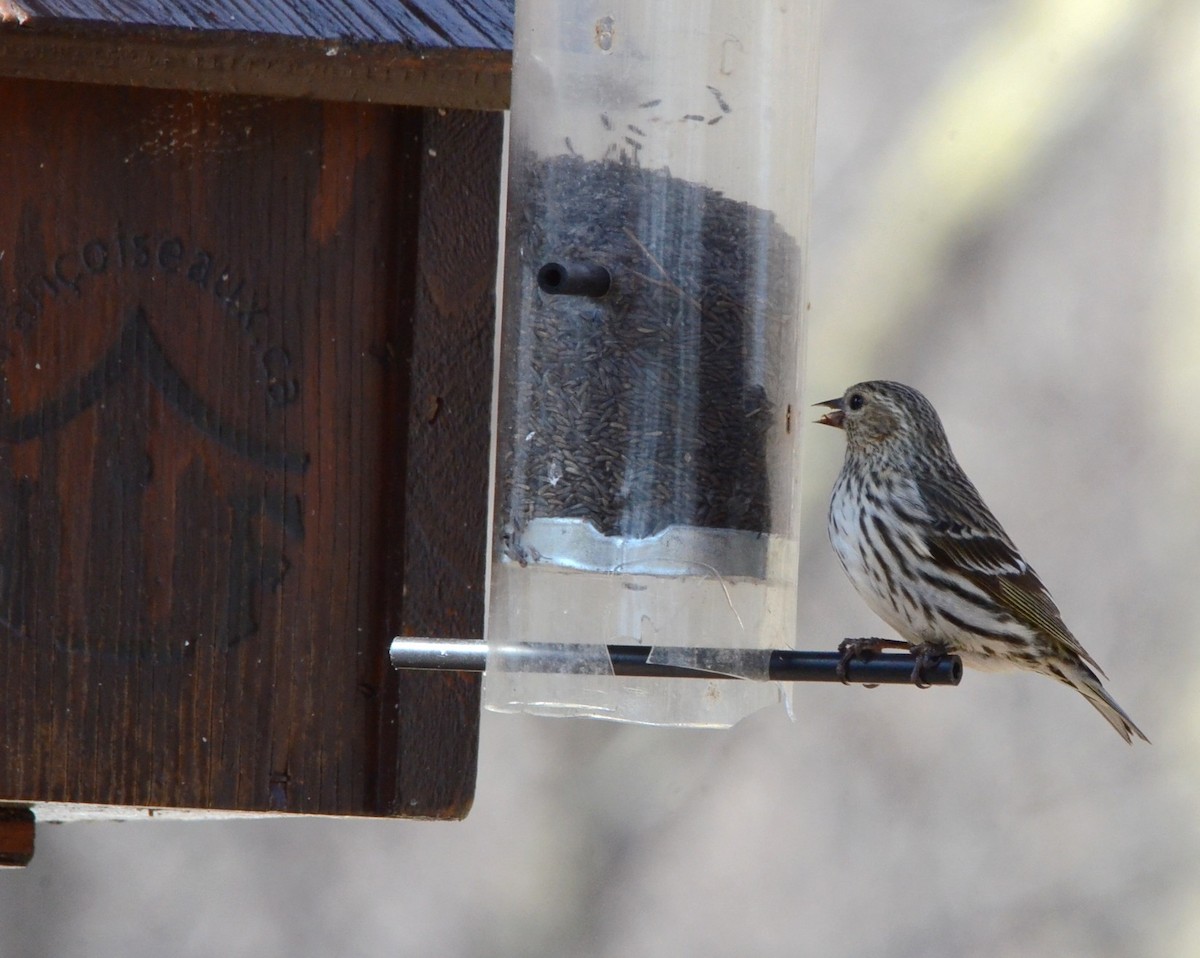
[{"x": 834, "y": 418}]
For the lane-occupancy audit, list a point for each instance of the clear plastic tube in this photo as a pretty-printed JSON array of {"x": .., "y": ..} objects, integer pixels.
[{"x": 647, "y": 426}]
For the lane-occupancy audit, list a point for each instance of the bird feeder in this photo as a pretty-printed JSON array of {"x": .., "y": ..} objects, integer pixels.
[
  {"x": 647, "y": 433},
  {"x": 243, "y": 382},
  {"x": 246, "y": 312}
]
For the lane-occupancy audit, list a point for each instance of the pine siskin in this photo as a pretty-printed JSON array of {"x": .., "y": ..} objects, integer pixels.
[{"x": 920, "y": 546}]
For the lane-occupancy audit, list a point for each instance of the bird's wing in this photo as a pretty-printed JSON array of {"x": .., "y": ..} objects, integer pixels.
[{"x": 965, "y": 536}]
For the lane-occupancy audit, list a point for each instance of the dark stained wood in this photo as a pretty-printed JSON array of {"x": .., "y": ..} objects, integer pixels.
[
  {"x": 205, "y": 347},
  {"x": 437, "y": 561},
  {"x": 16, "y": 836},
  {"x": 356, "y": 69},
  {"x": 447, "y": 53}
]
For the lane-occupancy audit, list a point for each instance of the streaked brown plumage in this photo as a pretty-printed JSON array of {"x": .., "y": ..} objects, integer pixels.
[{"x": 928, "y": 556}]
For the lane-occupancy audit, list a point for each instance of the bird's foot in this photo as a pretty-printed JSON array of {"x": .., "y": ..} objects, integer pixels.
[
  {"x": 927, "y": 656},
  {"x": 863, "y": 650}
]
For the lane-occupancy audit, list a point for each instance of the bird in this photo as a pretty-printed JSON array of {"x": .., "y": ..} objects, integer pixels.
[{"x": 920, "y": 546}]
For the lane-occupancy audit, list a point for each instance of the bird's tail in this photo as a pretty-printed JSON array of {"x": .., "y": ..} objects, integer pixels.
[{"x": 1084, "y": 680}]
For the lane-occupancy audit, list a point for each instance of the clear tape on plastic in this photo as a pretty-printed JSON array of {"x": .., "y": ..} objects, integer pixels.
[
  {"x": 752, "y": 664},
  {"x": 675, "y": 550},
  {"x": 694, "y": 703},
  {"x": 631, "y": 609},
  {"x": 550, "y": 658},
  {"x": 568, "y": 658}
]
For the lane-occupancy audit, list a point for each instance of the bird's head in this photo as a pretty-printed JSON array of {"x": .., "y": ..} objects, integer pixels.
[{"x": 884, "y": 415}]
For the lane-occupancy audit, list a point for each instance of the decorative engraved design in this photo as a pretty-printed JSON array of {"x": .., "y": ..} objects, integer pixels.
[{"x": 251, "y": 561}]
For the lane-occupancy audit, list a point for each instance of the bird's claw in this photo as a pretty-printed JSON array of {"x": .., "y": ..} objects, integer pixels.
[
  {"x": 850, "y": 649},
  {"x": 863, "y": 650},
  {"x": 926, "y": 656}
]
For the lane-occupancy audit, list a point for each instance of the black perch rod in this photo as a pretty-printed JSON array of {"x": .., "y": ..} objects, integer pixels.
[
  {"x": 786, "y": 665},
  {"x": 574, "y": 279}
]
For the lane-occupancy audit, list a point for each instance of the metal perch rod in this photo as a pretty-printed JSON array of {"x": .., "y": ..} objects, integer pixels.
[{"x": 786, "y": 665}]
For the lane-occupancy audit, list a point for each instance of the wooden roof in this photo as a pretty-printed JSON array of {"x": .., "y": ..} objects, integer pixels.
[{"x": 451, "y": 53}]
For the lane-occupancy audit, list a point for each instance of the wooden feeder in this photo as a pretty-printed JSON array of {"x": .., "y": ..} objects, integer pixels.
[
  {"x": 247, "y": 273},
  {"x": 247, "y": 266}
]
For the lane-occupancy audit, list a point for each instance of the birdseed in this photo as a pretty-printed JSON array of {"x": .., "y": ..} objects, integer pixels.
[{"x": 653, "y": 405}]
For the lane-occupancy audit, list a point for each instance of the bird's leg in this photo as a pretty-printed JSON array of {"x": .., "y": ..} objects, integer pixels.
[
  {"x": 864, "y": 650},
  {"x": 926, "y": 655}
]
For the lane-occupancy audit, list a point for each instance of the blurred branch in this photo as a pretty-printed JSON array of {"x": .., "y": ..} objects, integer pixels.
[
  {"x": 970, "y": 146},
  {"x": 1179, "y": 303}
]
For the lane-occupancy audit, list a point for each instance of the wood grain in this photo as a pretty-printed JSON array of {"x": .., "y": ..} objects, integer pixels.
[
  {"x": 205, "y": 378},
  {"x": 222, "y": 61},
  {"x": 445, "y": 455},
  {"x": 445, "y": 53}
]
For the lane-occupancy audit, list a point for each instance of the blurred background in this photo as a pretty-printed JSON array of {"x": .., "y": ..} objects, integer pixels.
[{"x": 1007, "y": 216}]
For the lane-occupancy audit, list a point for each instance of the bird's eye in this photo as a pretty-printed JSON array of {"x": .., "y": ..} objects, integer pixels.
[{"x": 856, "y": 401}]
